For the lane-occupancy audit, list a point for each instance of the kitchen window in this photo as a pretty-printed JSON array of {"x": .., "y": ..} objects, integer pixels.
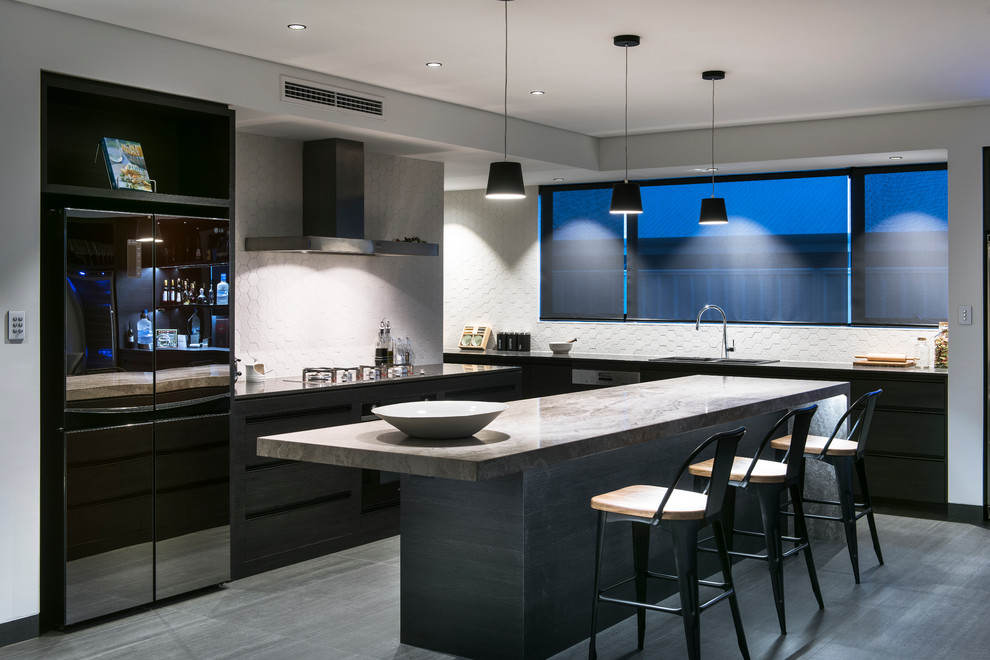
[{"x": 839, "y": 247}]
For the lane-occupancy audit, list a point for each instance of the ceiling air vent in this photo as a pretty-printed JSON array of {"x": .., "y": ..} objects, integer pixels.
[{"x": 312, "y": 94}]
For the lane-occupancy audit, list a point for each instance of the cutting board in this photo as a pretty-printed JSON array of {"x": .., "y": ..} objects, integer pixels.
[{"x": 885, "y": 363}]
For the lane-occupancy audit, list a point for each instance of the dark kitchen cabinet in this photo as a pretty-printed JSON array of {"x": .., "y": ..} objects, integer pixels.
[{"x": 283, "y": 511}]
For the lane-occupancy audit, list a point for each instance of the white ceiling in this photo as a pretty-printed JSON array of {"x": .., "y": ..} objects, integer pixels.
[{"x": 785, "y": 59}]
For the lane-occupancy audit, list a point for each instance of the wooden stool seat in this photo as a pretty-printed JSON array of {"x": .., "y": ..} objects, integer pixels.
[
  {"x": 815, "y": 445},
  {"x": 681, "y": 513},
  {"x": 848, "y": 457},
  {"x": 765, "y": 472},
  {"x": 768, "y": 480},
  {"x": 643, "y": 502}
]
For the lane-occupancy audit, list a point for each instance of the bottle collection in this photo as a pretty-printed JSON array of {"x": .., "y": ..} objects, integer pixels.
[
  {"x": 393, "y": 357},
  {"x": 186, "y": 292}
]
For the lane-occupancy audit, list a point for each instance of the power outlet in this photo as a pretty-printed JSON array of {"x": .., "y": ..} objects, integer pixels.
[
  {"x": 16, "y": 325},
  {"x": 965, "y": 315}
]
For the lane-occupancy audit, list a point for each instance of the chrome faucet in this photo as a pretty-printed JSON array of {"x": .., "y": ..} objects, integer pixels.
[{"x": 725, "y": 341}]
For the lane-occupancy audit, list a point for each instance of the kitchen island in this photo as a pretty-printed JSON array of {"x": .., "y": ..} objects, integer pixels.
[{"x": 497, "y": 533}]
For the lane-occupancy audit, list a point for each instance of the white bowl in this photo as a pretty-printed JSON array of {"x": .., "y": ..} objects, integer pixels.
[
  {"x": 561, "y": 346},
  {"x": 440, "y": 419}
]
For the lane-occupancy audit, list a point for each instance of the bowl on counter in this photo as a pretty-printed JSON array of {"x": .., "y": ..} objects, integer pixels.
[
  {"x": 439, "y": 420},
  {"x": 561, "y": 347}
]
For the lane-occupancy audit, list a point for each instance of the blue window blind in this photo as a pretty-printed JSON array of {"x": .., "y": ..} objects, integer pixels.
[
  {"x": 782, "y": 257},
  {"x": 903, "y": 251},
  {"x": 585, "y": 258}
]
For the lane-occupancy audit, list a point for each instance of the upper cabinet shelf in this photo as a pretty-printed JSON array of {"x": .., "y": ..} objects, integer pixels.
[{"x": 187, "y": 143}]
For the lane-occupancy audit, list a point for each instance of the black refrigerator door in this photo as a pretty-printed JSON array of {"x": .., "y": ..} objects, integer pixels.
[
  {"x": 192, "y": 286},
  {"x": 109, "y": 310},
  {"x": 192, "y": 503},
  {"x": 109, "y": 553}
]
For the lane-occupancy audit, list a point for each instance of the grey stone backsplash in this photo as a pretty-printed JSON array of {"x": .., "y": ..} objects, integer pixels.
[
  {"x": 492, "y": 277},
  {"x": 305, "y": 310}
]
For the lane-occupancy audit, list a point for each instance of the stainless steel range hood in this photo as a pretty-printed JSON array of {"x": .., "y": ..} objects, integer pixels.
[{"x": 333, "y": 208}]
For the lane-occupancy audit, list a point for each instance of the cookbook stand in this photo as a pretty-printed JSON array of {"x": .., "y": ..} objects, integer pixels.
[{"x": 475, "y": 337}]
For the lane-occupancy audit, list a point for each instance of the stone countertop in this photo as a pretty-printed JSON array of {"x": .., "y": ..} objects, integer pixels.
[
  {"x": 539, "y": 432},
  {"x": 577, "y": 359},
  {"x": 286, "y": 385},
  {"x": 134, "y": 383}
]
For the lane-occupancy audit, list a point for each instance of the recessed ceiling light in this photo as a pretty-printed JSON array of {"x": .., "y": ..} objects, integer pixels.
[
  {"x": 434, "y": 65},
  {"x": 896, "y": 157},
  {"x": 296, "y": 26},
  {"x": 558, "y": 178},
  {"x": 711, "y": 169},
  {"x": 537, "y": 92}
]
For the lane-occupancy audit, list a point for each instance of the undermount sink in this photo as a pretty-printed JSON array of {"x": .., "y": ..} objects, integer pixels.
[{"x": 713, "y": 360}]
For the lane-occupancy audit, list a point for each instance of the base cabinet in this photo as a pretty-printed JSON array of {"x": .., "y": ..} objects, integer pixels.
[{"x": 286, "y": 511}]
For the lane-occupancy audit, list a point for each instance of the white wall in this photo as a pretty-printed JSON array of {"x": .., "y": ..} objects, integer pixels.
[{"x": 318, "y": 310}]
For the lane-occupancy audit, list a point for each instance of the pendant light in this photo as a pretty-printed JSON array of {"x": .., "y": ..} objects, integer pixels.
[
  {"x": 505, "y": 179},
  {"x": 625, "y": 195},
  {"x": 713, "y": 208}
]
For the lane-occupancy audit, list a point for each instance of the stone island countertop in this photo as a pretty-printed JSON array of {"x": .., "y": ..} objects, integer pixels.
[{"x": 539, "y": 432}]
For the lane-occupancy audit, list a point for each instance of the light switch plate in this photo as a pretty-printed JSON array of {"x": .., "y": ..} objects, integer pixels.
[
  {"x": 16, "y": 325},
  {"x": 965, "y": 315}
]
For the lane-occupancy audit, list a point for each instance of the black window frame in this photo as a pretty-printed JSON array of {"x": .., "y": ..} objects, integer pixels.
[{"x": 857, "y": 229}]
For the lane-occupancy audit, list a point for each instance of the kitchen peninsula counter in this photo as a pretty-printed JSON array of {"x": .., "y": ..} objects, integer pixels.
[
  {"x": 497, "y": 532},
  {"x": 535, "y": 433},
  {"x": 907, "y": 447}
]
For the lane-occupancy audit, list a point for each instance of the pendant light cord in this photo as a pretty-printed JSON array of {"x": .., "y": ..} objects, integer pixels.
[
  {"x": 713, "y": 138},
  {"x": 505, "y": 89},
  {"x": 627, "y": 115}
]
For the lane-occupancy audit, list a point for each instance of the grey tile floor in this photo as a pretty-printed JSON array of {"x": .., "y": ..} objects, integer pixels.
[{"x": 930, "y": 600}]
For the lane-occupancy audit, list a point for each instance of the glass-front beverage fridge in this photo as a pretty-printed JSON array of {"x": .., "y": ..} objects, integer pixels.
[{"x": 142, "y": 438}]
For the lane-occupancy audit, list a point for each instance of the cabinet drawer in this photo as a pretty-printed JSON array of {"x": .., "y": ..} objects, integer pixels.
[
  {"x": 292, "y": 530},
  {"x": 912, "y": 479},
  {"x": 902, "y": 394},
  {"x": 287, "y": 485},
  {"x": 916, "y": 434},
  {"x": 289, "y": 422}
]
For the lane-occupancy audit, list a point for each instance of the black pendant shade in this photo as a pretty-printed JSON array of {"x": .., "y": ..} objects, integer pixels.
[
  {"x": 505, "y": 180},
  {"x": 625, "y": 195},
  {"x": 625, "y": 198},
  {"x": 713, "y": 211}
]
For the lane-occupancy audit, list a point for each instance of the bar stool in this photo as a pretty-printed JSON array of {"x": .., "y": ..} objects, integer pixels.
[
  {"x": 768, "y": 480},
  {"x": 682, "y": 513},
  {"x": 846, "y": 455}
]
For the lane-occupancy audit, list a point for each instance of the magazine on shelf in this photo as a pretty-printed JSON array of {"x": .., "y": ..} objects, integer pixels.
[{"x": 125, "y": 164}]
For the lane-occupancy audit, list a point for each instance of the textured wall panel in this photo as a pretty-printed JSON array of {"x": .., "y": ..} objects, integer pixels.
[{"x": 299, "y": 310}]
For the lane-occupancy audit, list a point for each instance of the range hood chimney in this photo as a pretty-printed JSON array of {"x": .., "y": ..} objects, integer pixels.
[{"x": 333, "y": 207}]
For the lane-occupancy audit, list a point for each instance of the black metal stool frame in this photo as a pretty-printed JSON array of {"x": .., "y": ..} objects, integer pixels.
[
  {"x": 769, "y": 495},
  {"x": 844, "y": 467},
  {"x": 685, "y": 545}
]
